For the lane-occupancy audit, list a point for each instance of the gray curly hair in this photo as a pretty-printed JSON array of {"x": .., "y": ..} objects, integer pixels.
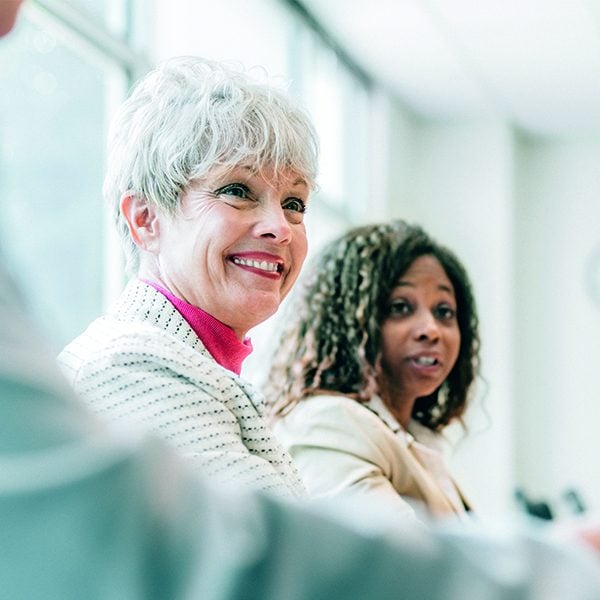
[
  {"x": 331, "y": 337},
  {"x": 191, "y": 115}
]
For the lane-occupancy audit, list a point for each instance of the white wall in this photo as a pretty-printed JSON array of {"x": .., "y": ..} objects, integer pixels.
[
  {"x": 558, "y": 326},
  {"x": 392, "y": 142}
]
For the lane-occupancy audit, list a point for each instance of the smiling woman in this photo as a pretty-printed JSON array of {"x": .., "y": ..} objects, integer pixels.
[
  {"x": 237, "y": 235},
  {"x": 208, "y": 178},
  {"x": 378, "y": 355}
]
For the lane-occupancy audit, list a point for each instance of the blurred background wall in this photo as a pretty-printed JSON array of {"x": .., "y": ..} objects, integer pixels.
[{"x": 478, "y": 119}]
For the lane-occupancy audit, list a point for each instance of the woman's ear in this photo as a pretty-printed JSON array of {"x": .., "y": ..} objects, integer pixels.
[{"x": 142, "y": 220}]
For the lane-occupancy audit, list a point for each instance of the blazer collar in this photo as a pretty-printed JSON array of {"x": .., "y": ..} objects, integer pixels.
[
  {"x": 414, "y": 431},
  {"x": 376, "y": 404},
  {"x": 142, "y": 303}
]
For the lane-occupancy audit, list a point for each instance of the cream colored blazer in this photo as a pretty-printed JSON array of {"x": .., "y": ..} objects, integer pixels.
[{"x": 343, "y": 447}]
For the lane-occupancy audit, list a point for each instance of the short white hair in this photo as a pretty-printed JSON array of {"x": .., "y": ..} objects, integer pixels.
[{"x": 191, "y": 115}]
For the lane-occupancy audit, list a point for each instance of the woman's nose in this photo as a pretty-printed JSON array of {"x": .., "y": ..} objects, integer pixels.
[
  {"x": 426, "y": 327},
  {"x": 273, "y": 223}
]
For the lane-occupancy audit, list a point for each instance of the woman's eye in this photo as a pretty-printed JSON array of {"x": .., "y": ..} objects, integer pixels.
[
  {"x": 295, "y": 204},
  {"x": 400, "y": 307},
  {"x": 445, "y": 313},
  {"x": 239, "y": 190}
]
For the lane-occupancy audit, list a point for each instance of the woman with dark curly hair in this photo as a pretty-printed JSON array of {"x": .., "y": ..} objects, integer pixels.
[{"x": 377, "y": 356}]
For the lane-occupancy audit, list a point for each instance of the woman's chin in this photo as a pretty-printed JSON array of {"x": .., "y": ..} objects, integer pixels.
[{"x": 255, "y": 310}]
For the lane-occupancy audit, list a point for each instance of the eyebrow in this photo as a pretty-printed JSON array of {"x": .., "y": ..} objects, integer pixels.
[
  {"x": 442, "y": 287},
  {"x": 300, "y": 181},
  {"x": 255, "y": 172}
]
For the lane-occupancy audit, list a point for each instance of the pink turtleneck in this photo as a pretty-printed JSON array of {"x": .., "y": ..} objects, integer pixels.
[{"x": 219, "y": 339}]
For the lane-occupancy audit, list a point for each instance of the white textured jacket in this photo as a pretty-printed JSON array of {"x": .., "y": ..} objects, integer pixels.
[{"x": 142, "y": 362}]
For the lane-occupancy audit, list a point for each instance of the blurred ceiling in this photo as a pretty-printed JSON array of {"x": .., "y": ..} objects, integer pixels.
[{"x": 535, "y": 63}]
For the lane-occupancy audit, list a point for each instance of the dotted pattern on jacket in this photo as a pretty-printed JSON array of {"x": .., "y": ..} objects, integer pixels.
[{"x": 143, "y": 363}]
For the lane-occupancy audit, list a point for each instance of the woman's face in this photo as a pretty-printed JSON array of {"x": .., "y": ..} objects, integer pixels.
[
  {"x": 236, "y": 246},
  {"x": 420, "y": 337}
]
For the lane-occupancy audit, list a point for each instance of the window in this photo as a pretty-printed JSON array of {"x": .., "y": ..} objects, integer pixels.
[
  {"x": 336, "y": 93},
  {"x": 60, "y": 79}
]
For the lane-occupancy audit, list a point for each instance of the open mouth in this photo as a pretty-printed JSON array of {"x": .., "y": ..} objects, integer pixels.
[
  {"x": 426, "y": 361},
  {"x": 261, "y": 265}
]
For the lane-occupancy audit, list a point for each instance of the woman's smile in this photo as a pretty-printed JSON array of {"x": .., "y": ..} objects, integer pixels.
[{"x": 260, "y": 263}]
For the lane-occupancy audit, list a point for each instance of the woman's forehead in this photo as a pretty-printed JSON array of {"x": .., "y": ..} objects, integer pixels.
[{"x": 280, "y": 176}]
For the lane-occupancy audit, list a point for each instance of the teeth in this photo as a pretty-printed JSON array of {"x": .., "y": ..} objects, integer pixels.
[
  {"x": 425, "y": 361},
  {"x": 263, "y": 265}
]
